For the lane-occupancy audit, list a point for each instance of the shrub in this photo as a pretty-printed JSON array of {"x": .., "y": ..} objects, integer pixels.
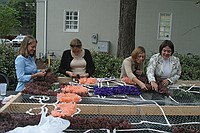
[
  {"x": 54, "y": 66},
  {"x": 106, "y": 65},
  {"x": 190, "y": 66},
  {"x": 7, "y": 64}
]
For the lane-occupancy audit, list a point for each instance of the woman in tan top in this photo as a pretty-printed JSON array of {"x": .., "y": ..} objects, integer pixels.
[{"x": 133, "y": 66}]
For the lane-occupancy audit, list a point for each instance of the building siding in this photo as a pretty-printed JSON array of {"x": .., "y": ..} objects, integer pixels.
[{"x": 102, "y": 17}]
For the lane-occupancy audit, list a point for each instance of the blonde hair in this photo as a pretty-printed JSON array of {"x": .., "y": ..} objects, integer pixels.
[
  {"x": 23, "y": 50},
  {"x": 137, "y": 51},
  {"x": 75, "y": 42}
]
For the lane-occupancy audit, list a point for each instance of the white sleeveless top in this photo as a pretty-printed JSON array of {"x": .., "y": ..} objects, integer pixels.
[
  {"x": 166, "y": 69},
  {"x": 78, "y": 64}
]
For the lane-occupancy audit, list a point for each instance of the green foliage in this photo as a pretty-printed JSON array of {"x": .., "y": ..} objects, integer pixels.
[
  {"x": 190, "y": 66},
  {"x": 183, "y": 97},
  {"x": 7, "y": 63},
  {"x": 106, "y": 65},
  {"x": 55, "y": 63},
  {"x": 8, "y": 20},
  {"x": 27, "y": 13}
]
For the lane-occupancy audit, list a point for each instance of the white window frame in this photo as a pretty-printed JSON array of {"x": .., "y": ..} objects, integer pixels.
[
  {"x": 71, "y": 20},
  {"x": 164, "y": 26}
]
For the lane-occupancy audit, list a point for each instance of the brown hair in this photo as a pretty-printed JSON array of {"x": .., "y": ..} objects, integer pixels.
[
  {"x": 137, "y": 51},
  {"x": 23, "y": 50},
  {"x": 166, "y": 43}
]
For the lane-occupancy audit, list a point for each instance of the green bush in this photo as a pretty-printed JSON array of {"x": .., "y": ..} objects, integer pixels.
[
  {"x": 7, "y": 64},
  {"x": 106, "y": 65},
  {"x": 190, "y": 66},
  {"x": 54, "y": 66}
]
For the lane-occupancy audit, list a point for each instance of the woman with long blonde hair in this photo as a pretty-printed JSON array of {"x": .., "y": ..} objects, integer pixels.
[{"x": 26, "y": 69}]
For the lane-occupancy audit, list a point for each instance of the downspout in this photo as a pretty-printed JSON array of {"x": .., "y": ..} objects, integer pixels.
[{"x": 45, "y": 31}]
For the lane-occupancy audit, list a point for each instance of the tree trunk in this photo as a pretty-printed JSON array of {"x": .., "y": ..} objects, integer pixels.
[{"x": 126, "y": 40}]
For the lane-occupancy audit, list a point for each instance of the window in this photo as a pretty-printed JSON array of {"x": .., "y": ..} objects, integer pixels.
[
  {"x": 71, "y": 21},
  {"x": 164, "y": 26}
]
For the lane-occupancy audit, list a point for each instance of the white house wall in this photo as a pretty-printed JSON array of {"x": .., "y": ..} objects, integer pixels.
[
  {"x": 96, "y": 16},
  {"x": 185, "y": 17},
  {"x": 102, "y": 17}
]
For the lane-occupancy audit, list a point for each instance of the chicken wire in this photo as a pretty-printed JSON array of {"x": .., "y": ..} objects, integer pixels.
[
  {"x": 180, "y": 96},
  {"x": 147, "y": 124}
]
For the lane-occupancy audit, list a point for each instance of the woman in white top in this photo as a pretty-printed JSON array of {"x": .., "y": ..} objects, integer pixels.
[{"x": 164, "y": 66}]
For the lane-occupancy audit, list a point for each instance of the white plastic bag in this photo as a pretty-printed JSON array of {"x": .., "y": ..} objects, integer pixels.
[{"x": 47, "y": 124}]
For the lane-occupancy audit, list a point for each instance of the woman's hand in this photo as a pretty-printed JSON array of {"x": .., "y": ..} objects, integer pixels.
[
  {"x": 41, "y": 74},
  {"x": 154, "y": 86},
  {"x": 84, "y": 75},
  {"x": 165, "y": 82},
  {"x": 38, "y": 74},
  {"x": 142, "y": 86},
  {"x": 71, "y": 74}
]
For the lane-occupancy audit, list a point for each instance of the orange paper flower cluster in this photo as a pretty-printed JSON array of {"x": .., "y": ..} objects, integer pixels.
[
  {"x": 64, "y": 109},
  {"x": 74, "y": 89},
  {"x": 88, "y": 81},
  {"x": 68, "y": 97},
  {"x": 68, "y": 100},
  {"x": 128, "y": 81}
]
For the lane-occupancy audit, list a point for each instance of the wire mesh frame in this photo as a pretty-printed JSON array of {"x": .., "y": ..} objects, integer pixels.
[
  {"x": 142, "y": 123},
  {"x": 160, "y": 123},
  {"x": 145, "y": 122},
  {"x": 178, "y": 97},
  {"x": 121, "y": 100}
]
